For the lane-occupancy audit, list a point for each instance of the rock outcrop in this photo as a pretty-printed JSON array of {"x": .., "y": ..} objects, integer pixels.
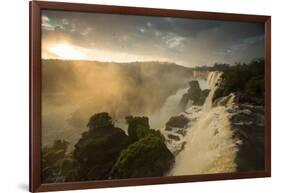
[
  {"x": 179, "y": 121},
  {"x": 248, "y": 124},
  {"x": 138, "y": 127},
  {"x": 194, "y": 94},
  {"x": 99, "y": 148},
  {"x": 106, "y": 152},
  {"x": 148, "y": 157},
  {"x": 173, "y": 137},
  {"x": 175, "y": 130}
]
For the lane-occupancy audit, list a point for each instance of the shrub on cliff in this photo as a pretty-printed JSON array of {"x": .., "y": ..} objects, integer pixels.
[
  {"x": 100, "y": 121},
  {"x": 52, "y": 159},
  {"x": 104, "y": 152},
  {"x": 148, "y": 157},
  {"x": 70, "y": 169},
  {"x": 98, "y": 148},
  {"x": 247, "y": 80},
  {"x": 138, "y": 127}
]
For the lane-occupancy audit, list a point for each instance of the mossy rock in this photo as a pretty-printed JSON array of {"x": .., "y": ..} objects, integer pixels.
[
  {"x": 51, "y": 162},
  {"x": 138, "y": 127},
  {"x": 148, "y": 157},
  {"x": 98, "y": 149}
]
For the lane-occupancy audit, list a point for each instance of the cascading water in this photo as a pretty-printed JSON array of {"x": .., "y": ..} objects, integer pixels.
[
  {"x": 171, "y": 108},
  {"x": 212, "y": 80},
  {"x": 209, "y": 146}
]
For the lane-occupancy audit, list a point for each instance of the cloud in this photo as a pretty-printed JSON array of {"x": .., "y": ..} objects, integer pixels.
[
  {"x": 46, "y": 25},
  {"x": 142, "y": 30},
  {"x": 188, "y": 42},
  {"x": 174, "y": 41}
]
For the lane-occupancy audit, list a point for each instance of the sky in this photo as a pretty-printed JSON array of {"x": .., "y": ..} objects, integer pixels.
[{"x": 123, "y": 38}]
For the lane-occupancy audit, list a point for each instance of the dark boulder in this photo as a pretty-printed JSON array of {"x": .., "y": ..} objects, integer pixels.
[
  {"x": 204, "y": 94},
  {"x": 194, "y": 84},
  {"x": 248, "y": 125},
  {"x": 173, "y": 137},
  {"x": 177, "y": 121},
  {"x": 195, "y": 94},
  {"x": 194, "y": 91}
]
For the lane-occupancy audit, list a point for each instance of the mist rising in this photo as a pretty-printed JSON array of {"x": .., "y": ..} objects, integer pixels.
[{"x": 75, "y": 90}]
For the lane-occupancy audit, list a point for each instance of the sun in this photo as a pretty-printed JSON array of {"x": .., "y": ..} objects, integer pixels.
[{"x": 66, "y": 51}]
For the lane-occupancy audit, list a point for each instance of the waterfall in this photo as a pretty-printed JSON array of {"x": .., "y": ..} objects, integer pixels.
[
  {"x": 170, "y": 108},
  {"x": 209, "y": 147},
  {"x": 212, "y": 80}
]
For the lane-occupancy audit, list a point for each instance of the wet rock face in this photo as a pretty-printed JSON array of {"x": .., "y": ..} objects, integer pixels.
[
  {"x": 246, "y": 98},
  {"x": 248, "y": 124},
  {"x": 194, "y": 84},
  {"x": 177, "y": 121},
  {"x": 204, "y": 94},
  {"x": 173, "y": 137},
  {"x": 176, "y": 129},
  {"x": 194, "y": 90},
  {"x": 195, "y": 94}
]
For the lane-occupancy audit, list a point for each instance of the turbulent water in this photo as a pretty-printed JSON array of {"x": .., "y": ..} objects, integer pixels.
[
  {"x": 208, "y": 144},
  {"x": 170, "y": 108}
]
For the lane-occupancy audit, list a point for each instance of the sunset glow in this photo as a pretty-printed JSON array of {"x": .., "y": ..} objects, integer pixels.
[
  {"x": 119, "y": 38},
  {"x": 66, "y": 51}
]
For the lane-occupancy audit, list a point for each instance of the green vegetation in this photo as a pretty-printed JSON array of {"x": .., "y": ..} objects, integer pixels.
[
  {"x": 52, "y": 159},
  {"x": 69, "y": 169},
  {"x": 138, "y": 127},
  {"x": 105, "y": 152},
  {"x": 98, "y": 148},
  {"x": 215, "y": 67},
  {"x": 147, "y": 157},
  {"x": 100, "y": 120},
  {"x": 246, "y": 80}
]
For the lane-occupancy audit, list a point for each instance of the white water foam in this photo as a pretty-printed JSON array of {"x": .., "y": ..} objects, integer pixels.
[{"x": 209, "y": 147}]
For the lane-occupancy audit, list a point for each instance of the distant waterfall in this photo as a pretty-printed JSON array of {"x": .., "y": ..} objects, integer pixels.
[
  {"x": 212, "y": 80},
  {"x": 209, "y": 147}
]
